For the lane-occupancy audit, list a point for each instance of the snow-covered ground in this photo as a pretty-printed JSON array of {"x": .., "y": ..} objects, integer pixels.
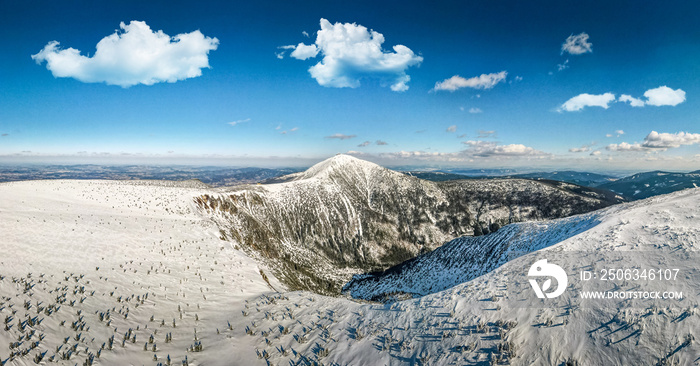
[
  {"x": 92, "y": 260},
  {"x": 84, "y": 261}
]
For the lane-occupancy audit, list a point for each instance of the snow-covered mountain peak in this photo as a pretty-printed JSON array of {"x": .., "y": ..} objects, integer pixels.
[{"x": 346, "y": 166}]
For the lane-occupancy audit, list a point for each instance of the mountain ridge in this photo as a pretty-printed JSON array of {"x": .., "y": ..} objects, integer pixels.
[{"x": 345, "y": 215}]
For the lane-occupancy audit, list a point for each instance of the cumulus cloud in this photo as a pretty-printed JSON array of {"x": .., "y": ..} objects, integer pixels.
[
  {"x": 581, "y": 101},
  {"x": 341, "y": 136},
  {"x": 303, "y": 51},
  {"x": 489, "y": 148},
  {"x": 658, "y": 141},
  {"x": 577, "y": 44},
  {"x": 475, "y": 110},
  {"x": 595, "y": 153},
  {"x": 634, "y": 102},
  {"x": 451, "y": 129},
  {"x": 136, "y": 55},
  {"x": 661, "y": 96},
  {"x": 237, "y": 122},
  {"x": 351, "y": 52},
  {"x": 619, "y": 132},
  {"x": 664, "y": 95},
  {"x": 483, "y": 81}
]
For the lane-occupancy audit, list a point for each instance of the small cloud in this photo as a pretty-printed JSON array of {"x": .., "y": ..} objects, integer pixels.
[
  {"x": 451, "y": 129},
  {"x": 420, "y": 131},
  {"x": 462, "y": 136},
  {"x": 581, "y": 149},
  {"x": 608, "y": 135},
  {"x": 305, "y": 34},
  {"x": 5, "y": 134},
  {"x": 291, "y": 130},
  {"x": 233, "y": 123},
  {"x": 577, "y": 44},
  {"x": 664, "y": 95},
  {"x": 484, "y": 81},
  {"x": 170, "y": 151},
  {"x": 581, "y": 101},
  {"x": 366, "y": 143},
  {"x": 279, "y": 127},
  {"x": 490, "y": 148},
  {"x": 341, "y": 136},
  {"x": 303, "y": 51},
  {"x": 137, "y": 55},
  {"x": 595, "y": 153},
  {"x": 381, "y": 143},
  {"x": 619, "y": 132},
  {"x": 485, "y": 134},
  {"x": 563, "y": 66},
  {"x": 475, "y": 110},
  {"x": 518, "y": 78}
]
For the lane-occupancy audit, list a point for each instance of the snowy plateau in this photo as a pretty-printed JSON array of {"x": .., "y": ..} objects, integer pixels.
[{"x": 173, "y": 273}]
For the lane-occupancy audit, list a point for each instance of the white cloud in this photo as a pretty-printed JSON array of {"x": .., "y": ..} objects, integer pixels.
[
  {"x": 659, "y": 142},
  {"x": 233, "y": 123},
  {"x": 634, "y": 102},
  {"x": 664, "y": 95},
  {"x": 581, "y": 101},
  {"x": 303, "y": 51},
  {"x": 490, "y": 148},
  {"x": 352, "y": 52},
  {"x": 581, "y": 149},
  {"x": 483, "y": 81},
  {"x": 655, "y": 140},
  {"x": 291, "y": 130},
  {"x": 619, "y": 132},
  {"x": 475, "y": 110},
  {"x": 452, "y": 129},
  {"x": 305, "y": 34},
  {"x": 624, "y": 146},
  {"x": 381, "y": 143},
  {"x": 577, "y": 44},
  {"x": 137, "y": 55},
  {"x": 366, "y": 143},
  {"x": 596, "y": 153},
  {"x": 341, "y": 136}
]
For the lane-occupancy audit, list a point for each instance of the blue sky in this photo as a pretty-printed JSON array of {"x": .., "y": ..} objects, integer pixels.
[{"x": 597, "y": 86}]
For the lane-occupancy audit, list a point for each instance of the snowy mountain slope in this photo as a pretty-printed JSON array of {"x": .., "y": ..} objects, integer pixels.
[
  {"x": 486, "y": 321},
  {"x": 345, "y": 215},
  {"x": 466, "y": 258},
  {"x": 83, "y": 262}
]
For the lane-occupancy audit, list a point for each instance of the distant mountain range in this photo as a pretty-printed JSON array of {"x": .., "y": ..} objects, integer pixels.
[
  {"x": 650, "y": 184},
  {"x": 211, "y": 175},
  {"x": 634, "y": 187}
]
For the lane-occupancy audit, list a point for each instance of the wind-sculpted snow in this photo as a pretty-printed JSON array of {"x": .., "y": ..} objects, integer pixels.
[
  {"x": 465, "y": 258},
  {"x": 345, "y": 215}
]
